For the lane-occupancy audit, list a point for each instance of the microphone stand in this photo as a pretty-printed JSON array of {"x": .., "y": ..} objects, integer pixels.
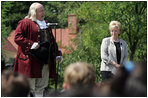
[
  {"x": 56, "y": 75},
  {"x": 55, "y": 67}
]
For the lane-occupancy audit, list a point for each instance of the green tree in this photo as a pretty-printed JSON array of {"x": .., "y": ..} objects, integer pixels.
[
  {"x": 94, "y": 19},
  {"x": 132, "y": 15},
  {"x": 12, "y": 12},
  {"x": 59, "y": 11},
  {"x": 5, "y": 29}
]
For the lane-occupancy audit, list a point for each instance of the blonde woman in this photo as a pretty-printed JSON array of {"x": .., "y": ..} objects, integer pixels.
[{"x": 114, "y": 51}]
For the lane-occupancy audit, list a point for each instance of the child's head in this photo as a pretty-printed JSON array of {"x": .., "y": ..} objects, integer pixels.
[{"x": 79, "y": 74}]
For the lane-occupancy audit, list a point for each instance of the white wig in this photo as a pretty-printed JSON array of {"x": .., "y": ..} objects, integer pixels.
[{"x": 32, "y": 11}]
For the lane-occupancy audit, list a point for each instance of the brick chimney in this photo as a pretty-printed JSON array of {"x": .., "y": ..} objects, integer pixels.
[{"x": 72, "y": 24}]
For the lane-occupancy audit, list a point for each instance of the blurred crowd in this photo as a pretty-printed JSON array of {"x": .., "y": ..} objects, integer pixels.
[{"x": 80, "y": 81}]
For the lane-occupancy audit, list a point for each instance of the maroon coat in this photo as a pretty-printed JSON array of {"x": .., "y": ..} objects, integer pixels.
[{"x": 26, "y": 33}]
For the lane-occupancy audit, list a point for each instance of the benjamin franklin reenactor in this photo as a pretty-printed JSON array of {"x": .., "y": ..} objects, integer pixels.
[{"x": 37, "y": 49}]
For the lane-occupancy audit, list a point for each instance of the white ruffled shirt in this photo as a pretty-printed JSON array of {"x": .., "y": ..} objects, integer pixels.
[{"x": 42, "y": 24}]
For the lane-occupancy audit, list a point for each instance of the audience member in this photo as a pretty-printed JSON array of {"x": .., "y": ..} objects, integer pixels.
[
  {"x": 79, "y": 80},
  {"x": 136, "y": 84},
  {"x": 14, "y": 84},
  {"x": 131, "y": 81}
]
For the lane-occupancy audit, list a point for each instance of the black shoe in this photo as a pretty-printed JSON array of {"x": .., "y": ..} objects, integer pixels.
[{"x": 31, "y": 94}]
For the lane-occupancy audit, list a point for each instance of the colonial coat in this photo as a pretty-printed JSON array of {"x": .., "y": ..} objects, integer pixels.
[{"x": 26, "y": 33}]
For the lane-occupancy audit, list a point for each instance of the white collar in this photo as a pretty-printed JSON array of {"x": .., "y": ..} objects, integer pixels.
[{"x": 42, "y": 24}]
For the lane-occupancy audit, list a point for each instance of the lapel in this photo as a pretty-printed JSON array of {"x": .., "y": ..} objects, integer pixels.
[
  {"x": 113, "y": 52},
  {"x": 122, "y": 50}
]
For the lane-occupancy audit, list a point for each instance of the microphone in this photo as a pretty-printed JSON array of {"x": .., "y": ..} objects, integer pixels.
[{"x": 52, "y": 24}]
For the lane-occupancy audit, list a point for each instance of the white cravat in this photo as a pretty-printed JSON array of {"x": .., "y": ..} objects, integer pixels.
[{"x": 42, "y": 24}]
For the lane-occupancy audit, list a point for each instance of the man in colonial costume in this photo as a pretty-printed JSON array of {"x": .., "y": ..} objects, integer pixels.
[{"x": 37, "y": 49}]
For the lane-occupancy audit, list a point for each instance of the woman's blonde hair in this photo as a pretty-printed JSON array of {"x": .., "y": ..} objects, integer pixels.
[
  {"x": 80, "y": 74},
  {"x": 114, "y": 24},
  {"x": 32, "y": 11}
]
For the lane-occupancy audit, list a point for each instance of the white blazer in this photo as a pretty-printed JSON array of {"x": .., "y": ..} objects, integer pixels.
[{"x": 108, "y": 54}]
